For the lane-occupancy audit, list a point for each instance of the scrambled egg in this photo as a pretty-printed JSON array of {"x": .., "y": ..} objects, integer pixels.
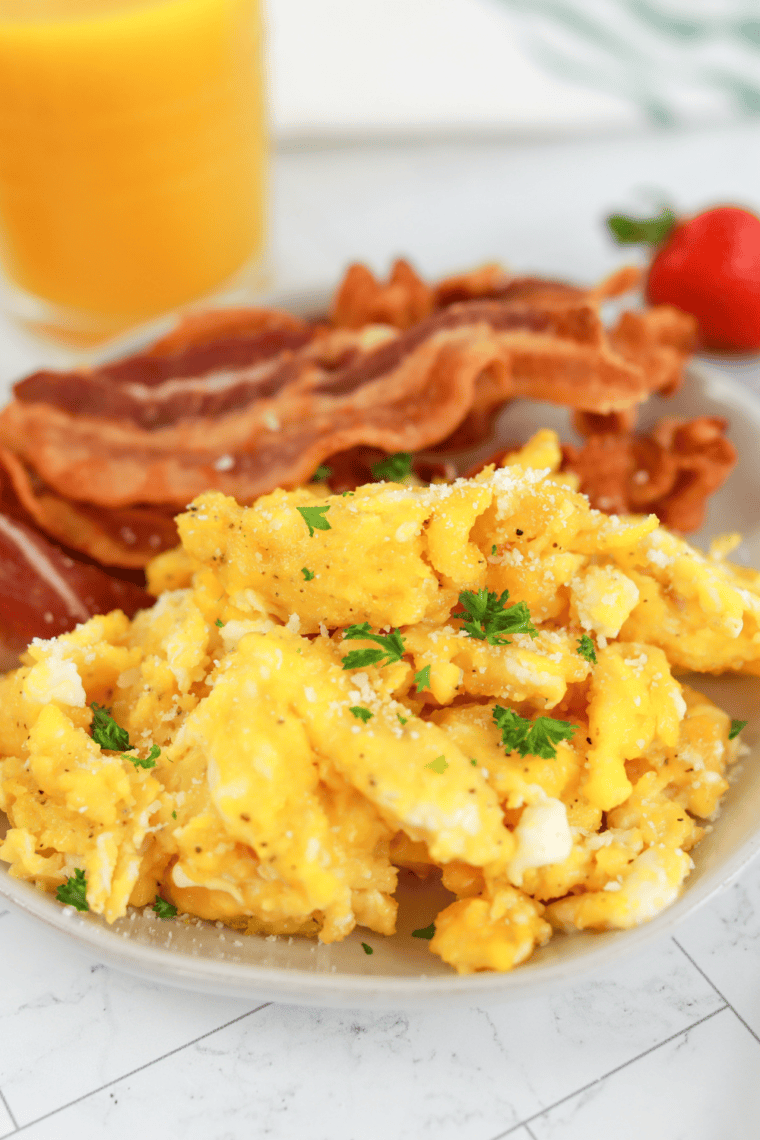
[{"x": 289, "y": 788}]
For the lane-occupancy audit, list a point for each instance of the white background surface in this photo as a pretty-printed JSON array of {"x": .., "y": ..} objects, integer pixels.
[
  {"x": 403, "y": 67},
  {"x": 665, "y": 1046}
]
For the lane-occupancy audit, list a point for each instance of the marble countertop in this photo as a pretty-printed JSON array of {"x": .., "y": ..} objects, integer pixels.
[{"x": 665, "y": 1045}]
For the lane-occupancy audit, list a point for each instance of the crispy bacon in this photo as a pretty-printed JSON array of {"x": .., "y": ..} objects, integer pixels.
[
  {"x": 361, "y": 299},
  {"x": 125, "y": 536},
  {"x": 169, "y": 435},
  {"x": 672, "y": 472},
  {"x": 405, "y": 298},
  {"x": 658, "y": 341},
  {"x": 246, "y": 400},
  {"x": 151, "y": 390},
  {"x": 44, "y": 592}
]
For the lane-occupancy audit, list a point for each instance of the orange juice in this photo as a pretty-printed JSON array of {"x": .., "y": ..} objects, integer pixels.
[{"x": 132, "y": 150}]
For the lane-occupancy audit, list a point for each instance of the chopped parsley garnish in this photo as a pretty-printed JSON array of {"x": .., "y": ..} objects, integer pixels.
[
  {"x": 586, "y": 648},
  {"x": 736, "y": 727},
  {"x": 361, "y": 713},
  {"x": 439, "y": 765},
  {"x": 308, "y": 574},
  {"x": 422, "y": 679},
  {"x": 402, "y": 719},
  {"x": 323, "y": 472},
  {"x": 392, "y": 647},
  {"x": 487, "y": 618},
  {"x": 394, "y": 467},
  {"x": 163, "y": 908},
  {"x": 493, "y": 549},
  {"x": 106, "y": 732},
  {"x": 426, "y": 932},
  {"x": 220, "y": 623},
  {"x": 314, "y": 518},
  {"x": 531, "y": 738},
  {"x": 367, "y": 949},
  {"x": 150, "y": 759},
  {"x": 474, "y": 763},
  {"x": 74, "y": 891},
  {"x": 343, "y": 494},
  {"x": 174, "y": 815}
]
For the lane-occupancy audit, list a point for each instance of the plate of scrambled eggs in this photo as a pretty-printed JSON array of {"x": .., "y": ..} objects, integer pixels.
[{"x": 398, "y": 744}]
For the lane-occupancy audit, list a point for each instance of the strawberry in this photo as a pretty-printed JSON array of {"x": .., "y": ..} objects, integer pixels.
[{"x": 708, "y": 265}]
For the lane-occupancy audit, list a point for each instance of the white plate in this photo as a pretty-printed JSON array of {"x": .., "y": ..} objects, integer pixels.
[{"x": 401, "y": 972}]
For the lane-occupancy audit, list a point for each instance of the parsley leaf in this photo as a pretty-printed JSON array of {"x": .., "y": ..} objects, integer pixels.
[
  {"x": 163, "y": 908},
  {"x": 402, "y": 719},
  {"x": 150, "y": 759},
  {"x": 323, "y": 472},
  {"x": 493, "y": 550},
  {"x": 220, "y": 623},
  {"x": 74, "y": 891},
  {"x": 394, "y": 467},
  {"x": 488, "y": 619},
  {"x": 439, "y": 765},
  {"x": 474, "y": 763},
  {"x": 106, "y": 732},
  {"x": 367, "y": 949},
  {"x": 426, "y": 932},
  {"x": 586, "y": 648},
  {"x": 308, "y": 574},
  {"x": 392, "y": 647},
  {"x": 314, "y": 518},
  {"x": 361, "y": 713},
  {"x": 736, "y": 727},
  {"x": 531, "y": 738},
  {"x": 422, "y": 679}
]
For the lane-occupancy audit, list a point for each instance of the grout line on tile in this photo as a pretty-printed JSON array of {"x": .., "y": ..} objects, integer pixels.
[
  {"x": 712, "y": 984},
  {"x": 618, "y": 1068},
  {"x": 530, "y": 1132},
  {"x": 140, "y": 1068},
  {"x": 7, "y": 1108}
]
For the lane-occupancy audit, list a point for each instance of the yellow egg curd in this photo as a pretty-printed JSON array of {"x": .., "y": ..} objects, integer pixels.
[{"x": 471, "y": 680}]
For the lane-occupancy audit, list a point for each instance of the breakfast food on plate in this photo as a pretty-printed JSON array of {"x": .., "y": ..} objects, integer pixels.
[
  {"x": 472, "y": 679},
  {"x": 45, "y": 590},
  {"x": 248, "y": 400},
  {"x": 671, "y": 471},
  {"x": 707, "y": 265}
]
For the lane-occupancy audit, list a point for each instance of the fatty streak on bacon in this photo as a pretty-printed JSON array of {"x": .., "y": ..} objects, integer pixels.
[
  {"x": 123, "y": 537},
  {"x": 155, "y": 391},
  {"x": 44, "y": 592},
  {"x": 299, "y": 408}
]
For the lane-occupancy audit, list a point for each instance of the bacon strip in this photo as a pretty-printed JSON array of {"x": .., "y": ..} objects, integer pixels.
[
  {"x": 361, "y": 299},
  {"x": 248, "y": 400},
  {"x": 405, "y": 298},
  {"x": 672, "y": 472},
  {"x": 152, "y": 391},
  {"x": 293, "y": 408},
  {"x": 44, "y": 592},
  {"x": 126, "y": 537}
]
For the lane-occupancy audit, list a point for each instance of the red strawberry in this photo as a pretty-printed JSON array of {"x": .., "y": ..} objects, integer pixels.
[{"x": 709, "y": 266}]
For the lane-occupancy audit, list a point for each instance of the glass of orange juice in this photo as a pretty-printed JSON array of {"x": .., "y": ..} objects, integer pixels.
[{"x": 132, "y": 159}]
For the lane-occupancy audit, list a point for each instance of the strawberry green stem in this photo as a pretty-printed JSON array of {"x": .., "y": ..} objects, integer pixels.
[{"x": 634, "y": 231}]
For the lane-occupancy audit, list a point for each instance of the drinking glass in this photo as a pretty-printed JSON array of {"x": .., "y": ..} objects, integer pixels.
[{"x": 132, "y": 159}]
